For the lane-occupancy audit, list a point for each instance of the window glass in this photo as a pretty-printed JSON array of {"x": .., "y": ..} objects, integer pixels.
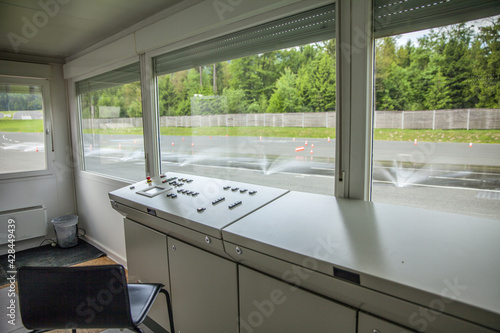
[
  {"x": 111, "y": 124},
  {"x": 437, "y": 118},
  {"x": 265, "y": 116},
  {"x": 22, "y": 139}
]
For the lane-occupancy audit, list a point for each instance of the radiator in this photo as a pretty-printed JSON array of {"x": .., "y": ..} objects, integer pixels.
[{"x": 30, "y": 222}]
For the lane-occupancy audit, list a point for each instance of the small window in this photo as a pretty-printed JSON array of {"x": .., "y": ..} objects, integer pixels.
[
  {"x": 111, "y": 123},
  {"x": 23, "y": 146}
]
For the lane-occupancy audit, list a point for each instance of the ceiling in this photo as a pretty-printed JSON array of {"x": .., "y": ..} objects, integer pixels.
[{"x": 62, "y": 28}]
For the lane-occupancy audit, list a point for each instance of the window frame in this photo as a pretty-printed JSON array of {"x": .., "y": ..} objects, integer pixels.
[
  {"x": 44, "y": 84},
  {"x": 78, "y": 156}
]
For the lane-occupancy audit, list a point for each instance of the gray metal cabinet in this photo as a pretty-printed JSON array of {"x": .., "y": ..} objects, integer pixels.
[
  {"x": 147, "y": 261},
  {"x": 371, "y": 324},
  {"x": 270, "y": 305},
  {"x": 204, "y": 290}
]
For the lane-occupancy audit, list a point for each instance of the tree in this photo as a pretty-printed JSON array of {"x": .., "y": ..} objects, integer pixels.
[{"x": 285, "y": 97}]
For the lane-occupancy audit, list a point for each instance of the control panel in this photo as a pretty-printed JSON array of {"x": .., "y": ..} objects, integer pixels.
[{"x": 203, "y": 204}]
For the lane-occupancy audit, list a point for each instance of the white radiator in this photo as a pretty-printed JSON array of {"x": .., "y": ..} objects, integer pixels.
[{"x": 30, "y": 222}]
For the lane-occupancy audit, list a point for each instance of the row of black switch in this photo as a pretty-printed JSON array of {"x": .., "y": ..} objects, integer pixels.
[
  {"x": 243, "y": 190},
  {"x": 188, "y": 192},
  {"x": 231, "y": 206},
  {"x": 237, "y": 203},
  {"x": 215, "y": 202}
]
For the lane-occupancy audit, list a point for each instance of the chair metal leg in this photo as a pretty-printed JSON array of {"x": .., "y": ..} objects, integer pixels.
[{"x": 169, "y": 309}]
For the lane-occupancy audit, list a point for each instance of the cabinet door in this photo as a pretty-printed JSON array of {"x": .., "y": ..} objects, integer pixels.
[
  {"x": 147, "y": 261},
  {"x": 204, "y": 290},
  {"x": 270, "y": 305},
  {"x": 370, "y": 324}
]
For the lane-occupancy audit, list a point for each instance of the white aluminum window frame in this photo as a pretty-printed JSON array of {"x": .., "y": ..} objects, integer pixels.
[{"x": 44, "y": 84}]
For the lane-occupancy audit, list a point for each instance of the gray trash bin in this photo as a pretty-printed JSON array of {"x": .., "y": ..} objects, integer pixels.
[{"x": 66, "y": 230}]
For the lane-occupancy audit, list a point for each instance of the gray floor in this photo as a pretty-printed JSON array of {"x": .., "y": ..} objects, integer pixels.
[{"x": 5, "y": 326}]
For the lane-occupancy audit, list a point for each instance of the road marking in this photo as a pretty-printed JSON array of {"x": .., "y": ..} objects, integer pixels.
[
  {"x": 438, "y": 186},
  {"x": 455, "y": 178},
  {"x": 327, "y": 169}
]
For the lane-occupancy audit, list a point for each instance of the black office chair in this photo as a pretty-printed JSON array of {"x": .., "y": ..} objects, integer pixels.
[{"x": 84, "y": 297}]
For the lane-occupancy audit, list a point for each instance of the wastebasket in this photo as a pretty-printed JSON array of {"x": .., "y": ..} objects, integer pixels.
[{"x": 66, "y": 230}]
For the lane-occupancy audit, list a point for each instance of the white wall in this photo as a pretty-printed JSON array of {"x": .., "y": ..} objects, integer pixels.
[
  {"x": 193, "y": 24},
  {"x": 55, "y": 190}
]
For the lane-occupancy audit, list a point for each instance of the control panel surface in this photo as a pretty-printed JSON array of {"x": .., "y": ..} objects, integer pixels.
[{"x": 203, "y": 204}]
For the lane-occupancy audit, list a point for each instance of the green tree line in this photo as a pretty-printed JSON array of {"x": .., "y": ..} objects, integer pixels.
[{"x": 452, "y": 67}]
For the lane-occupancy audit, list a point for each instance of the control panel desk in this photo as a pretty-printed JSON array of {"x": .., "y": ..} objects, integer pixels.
[
  {"x": 419, "y": 268},
  {"x": 388, "y": 266}
]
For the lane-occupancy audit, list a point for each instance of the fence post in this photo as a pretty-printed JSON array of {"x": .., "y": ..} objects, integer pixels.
[
  {"x": 434, "y": 120},
  {"x": 303, "y": 116},
  {"x": 468, "y": 119},
  {"x": 402, "y": 120}
]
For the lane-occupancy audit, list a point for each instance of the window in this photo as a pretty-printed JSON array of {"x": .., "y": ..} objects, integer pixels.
[
  {"x": 257, "y": 106},
  {"x": 437, "y": 106},
  {"x": 23, "y": 123},
  {"x": 111, "y": 123}
]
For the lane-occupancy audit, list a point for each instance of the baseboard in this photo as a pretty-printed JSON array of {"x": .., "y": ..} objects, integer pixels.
[{"x": 111, "y": 254}]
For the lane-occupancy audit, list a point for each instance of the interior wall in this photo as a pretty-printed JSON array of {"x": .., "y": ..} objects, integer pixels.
[
  {"x": 56, "y": 189},
  {"x": 104, "y": 226}
]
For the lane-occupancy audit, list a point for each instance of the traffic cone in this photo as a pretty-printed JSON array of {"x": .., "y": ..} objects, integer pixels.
[
  {"x": 172, "y": 143},
  {"x": 311, "y": 151},
  {"x": 415, "y": 143},
  {"x": 293, "y": 139},
  {"x": 328, "y": 139},
  {"x": 260, "y": 138},
  {"x": 470, "y": 145},
  {"x": 312, "y": 145},
  {"x": 182, "y": 138},
  {"x": 192, "y": 144},
  {"x": 210, "y": 137},
  {"x": 306, "y": 143},
  {"x": 36, "y": 148}
]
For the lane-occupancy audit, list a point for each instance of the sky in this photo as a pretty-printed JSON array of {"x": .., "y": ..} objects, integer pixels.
[{"x": 414, "y": 36}]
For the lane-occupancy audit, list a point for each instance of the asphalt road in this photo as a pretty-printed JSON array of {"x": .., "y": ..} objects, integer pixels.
[{"x": 453, "y": 177}]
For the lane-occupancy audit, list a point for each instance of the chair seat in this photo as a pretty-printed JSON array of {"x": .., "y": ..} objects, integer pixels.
[{"x": 141, "y": 296}]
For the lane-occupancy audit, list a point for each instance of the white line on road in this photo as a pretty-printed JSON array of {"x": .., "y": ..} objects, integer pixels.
[
  {"x": 439, "y": 186},
  {"x": 455, "y": 178}
]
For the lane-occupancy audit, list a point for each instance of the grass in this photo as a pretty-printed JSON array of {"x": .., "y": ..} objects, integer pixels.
[
  {"x": 474, "y": 136},
  {"x": 10, "y": 125}
]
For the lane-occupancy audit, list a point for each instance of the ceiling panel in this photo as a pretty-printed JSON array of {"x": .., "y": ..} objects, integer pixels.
[{"x": 57, "y": 28}]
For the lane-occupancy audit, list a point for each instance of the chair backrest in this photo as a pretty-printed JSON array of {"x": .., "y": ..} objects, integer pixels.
[{"x": 74, "y": 297}]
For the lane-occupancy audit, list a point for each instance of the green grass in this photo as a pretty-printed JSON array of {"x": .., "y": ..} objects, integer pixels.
[
  {"x": 474, "y": 136},
  {"x": 277, "y": 132},
  {"x": 10, "y": 125}
]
